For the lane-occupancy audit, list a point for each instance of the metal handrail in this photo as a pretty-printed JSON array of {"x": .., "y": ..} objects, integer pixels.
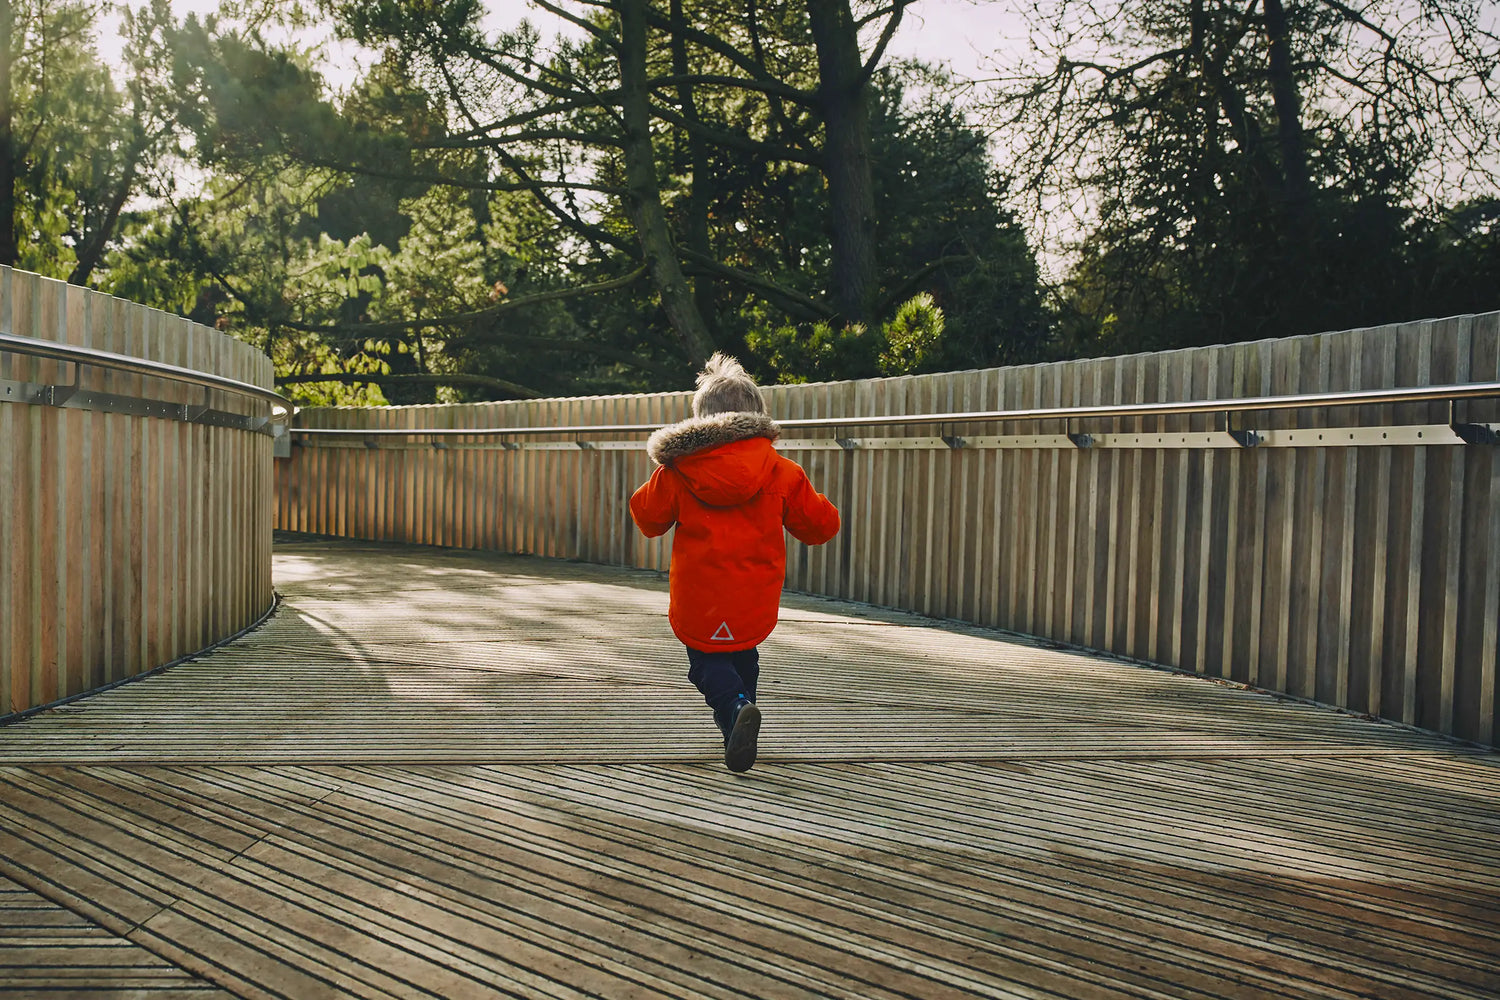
[
  {"x": 1362, "y": 397},
  {"x": 53, "y": 351}
]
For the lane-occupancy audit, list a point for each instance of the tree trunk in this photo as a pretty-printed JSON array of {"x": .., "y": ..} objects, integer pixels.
[
  {"x": 1288, "y": 103},
  {"x": 91, "y": 253},
  {"x": 843, "y": 97},
  {"x": 9, "y": 251},
  {"x": 700, "y": 191},
  {"x": 643, "y": 195}
]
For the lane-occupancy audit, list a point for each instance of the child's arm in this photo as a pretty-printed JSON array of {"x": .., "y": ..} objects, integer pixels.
[
  {"x": 810, "y": 516},
  {"x": 654, "y": 505}
]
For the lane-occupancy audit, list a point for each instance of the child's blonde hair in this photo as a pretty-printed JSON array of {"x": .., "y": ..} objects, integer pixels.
[{"x": 725, "y": 387}]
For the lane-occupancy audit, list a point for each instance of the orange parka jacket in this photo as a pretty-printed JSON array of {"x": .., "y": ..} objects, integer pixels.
[{"x": 729, "y": 492}]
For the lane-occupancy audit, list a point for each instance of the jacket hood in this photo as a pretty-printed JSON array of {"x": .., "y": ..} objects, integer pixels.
[{"x": 725, "y": 458}]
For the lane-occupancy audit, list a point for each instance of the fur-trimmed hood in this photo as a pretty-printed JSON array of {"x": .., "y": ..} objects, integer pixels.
[
  {"x": 725, "y": 458},
  {"x": 667, "y": 444}
]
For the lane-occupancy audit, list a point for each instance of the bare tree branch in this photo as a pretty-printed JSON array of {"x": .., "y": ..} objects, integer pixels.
[
  {"x": 895, "y": 10},
  {"x": 795, "y": 301}
]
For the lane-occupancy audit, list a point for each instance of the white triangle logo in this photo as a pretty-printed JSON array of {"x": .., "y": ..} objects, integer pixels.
[{"x": 723, "y": 634}]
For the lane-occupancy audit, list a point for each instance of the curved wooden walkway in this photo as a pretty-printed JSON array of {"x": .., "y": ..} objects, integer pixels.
[{"x": 446, "y": 774}]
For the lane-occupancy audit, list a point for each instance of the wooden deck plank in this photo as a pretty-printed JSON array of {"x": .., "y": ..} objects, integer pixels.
[
  {"x": 46, "y": 950},
  {"x": 473, "y": 795}
]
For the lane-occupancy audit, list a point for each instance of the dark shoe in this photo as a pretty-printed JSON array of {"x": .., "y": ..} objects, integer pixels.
[{"x": 739, "y": 744}]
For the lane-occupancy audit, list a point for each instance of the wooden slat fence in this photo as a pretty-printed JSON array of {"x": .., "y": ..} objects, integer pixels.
[
  {"x": 1364, "y": 577},
  {"x": 126, "y": 541}
]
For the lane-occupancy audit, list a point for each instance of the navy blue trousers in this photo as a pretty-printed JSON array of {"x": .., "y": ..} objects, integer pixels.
[{"x": 722, "y": 677}]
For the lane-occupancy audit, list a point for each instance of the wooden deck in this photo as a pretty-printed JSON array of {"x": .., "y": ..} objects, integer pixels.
[{"x": 445, "y": 774}]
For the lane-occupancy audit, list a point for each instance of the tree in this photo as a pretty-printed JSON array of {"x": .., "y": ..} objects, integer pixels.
[
  {"x": 942, "y": 227},
  {"x": 1242, "y": 170},
  {"x": 681, "y": 156},
  {"x": 642, "y": 69},
  {"x": 75, "y": 148}
]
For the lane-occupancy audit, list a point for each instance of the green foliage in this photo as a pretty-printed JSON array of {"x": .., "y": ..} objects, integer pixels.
[
  {"x": 152, "y": 268},
  {"x": 913, "y": 337},
  {"x": 85, "y": 145},
  {"x": 910, "y": 342},
  {"x": 815, "y": 352}
]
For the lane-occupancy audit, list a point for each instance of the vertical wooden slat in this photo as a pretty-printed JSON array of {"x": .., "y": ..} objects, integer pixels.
[
  {"x": 638, "y": 470},
  {"x": 1129, "y": 593},
  {"x": 432, "y": 493},
  {"x": 10, "y": 543},
  {"x": 357, "y": 462},
  {"x": 153, "y": 536},
  {"x": 968, "y": 536},
  {"x": 1064, "y": 517},
  {"x": 846, "y": 464},
  {"x": 458, "y": 489},
  {"x": 1050, "y": 510},
  {"x": 548, "y": 498},
  {"x": 1373, "y": 490},
  {"x": 387, "y": 476},
  {"x": 1208, "y": 503},
  {"x": 76, "y": 508},
  {"x": 1176, "y": 476},
  {"x": 49, "y": 441},
  {"x": 933, "y": 500},
  {"x": 526, "y": 510},
  {"x": 381, "y": 479},
  {"x": 25, "y": 604},
  {"x": 992, "y": 503},
  {"x": 1485, "y": 552},
  {"x": 350, "y": 466},
  {"x": 392, "y": 474},
  {"x": 887, "y": 503},
  {"x": 12, "y": 535},
  {"x": 1310, "y": 523},
  {"x": 910, "y": 529},
  {"x": 1113, "y": 384},
  {"x": 1153, "y": 592},
  {"x": 195, "y": 636},
  {"x": 1284, "y": 521},
  {"x": 481, "y": 488},
  {"x": 1030, "y": 497},
  {"x": 176, "y": 333},
  {"x": 140, "y": 546},
  {"x": 122, "y": 476},
  {"x": 1086, "y": 521},
  {"x": 1233, "y": 623},
  {"x": 1456, "y": 340},
  {"x": 1337, "y": 620},
  {"x": 1409, "y": 665},
  {"x": 410, "y": 477},
  {"x": 445, "y": 486},
  {"x": 829, "y": 482}
]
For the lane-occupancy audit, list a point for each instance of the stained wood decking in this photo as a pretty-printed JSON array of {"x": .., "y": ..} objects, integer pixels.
[{"x": 443, "y": 774}]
